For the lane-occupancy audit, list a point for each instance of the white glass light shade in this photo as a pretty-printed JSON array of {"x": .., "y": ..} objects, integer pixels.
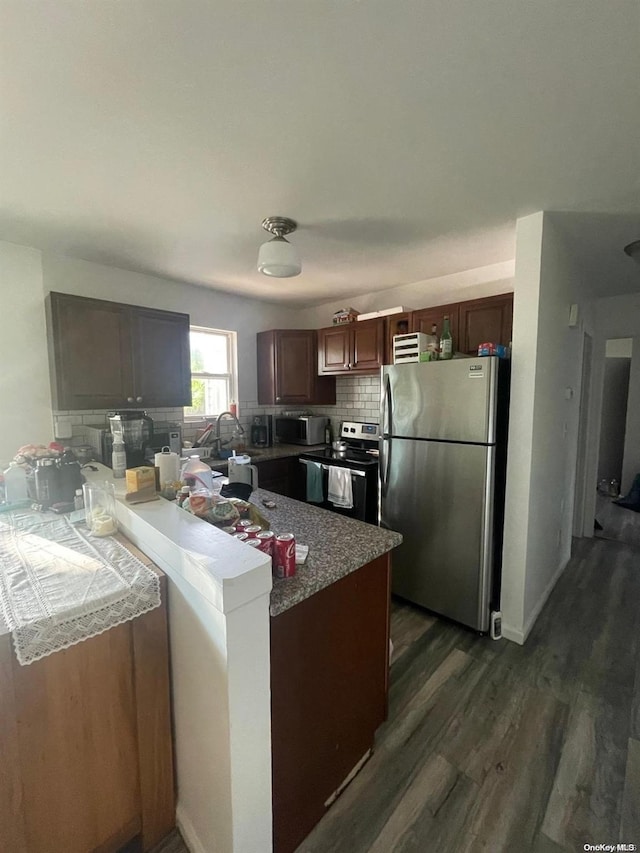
[{"x": 279, "y": 258}]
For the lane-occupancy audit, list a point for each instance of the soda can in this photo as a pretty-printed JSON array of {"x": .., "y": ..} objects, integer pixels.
[
  {"x": 284, "y": 555},
  {"x": 241, "y": 536},
  {"x": 230, "y": 530},
  {"x": 255, "y": 543},
  {"x": 253, "y": 530},
  {"x": 242, "y": 525},
  {"x": 266, "y": 538}
]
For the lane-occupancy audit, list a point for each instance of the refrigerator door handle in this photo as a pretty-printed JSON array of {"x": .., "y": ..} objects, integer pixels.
[
  {"x": 386, "y": 408},
  {"x": 385, "y": 459}
]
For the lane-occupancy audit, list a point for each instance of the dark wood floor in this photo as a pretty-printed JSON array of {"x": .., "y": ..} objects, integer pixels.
[{"x": 495, "y": 747}]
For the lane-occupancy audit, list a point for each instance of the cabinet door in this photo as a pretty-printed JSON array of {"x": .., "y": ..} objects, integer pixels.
[
  {"x": 334, "y": 349},
  {"x": 161, "y": 358},
  {"x": 397, "y": 324},
  {"x": 485, "y": 320},
  {"x": 89, "y": 353},
  {"x": 422, "y": 321},
  {"x": 368, "y": 345},
  {"x": 294, "y": 366}
]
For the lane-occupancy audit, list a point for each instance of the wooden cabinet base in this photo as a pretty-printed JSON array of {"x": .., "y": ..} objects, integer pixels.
[
  {"x": 86, "y": 745},
  {"x": 329, "y": 682}
]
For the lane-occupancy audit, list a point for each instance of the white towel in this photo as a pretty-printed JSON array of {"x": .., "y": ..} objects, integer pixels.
[{"x": 339, "y": 490}]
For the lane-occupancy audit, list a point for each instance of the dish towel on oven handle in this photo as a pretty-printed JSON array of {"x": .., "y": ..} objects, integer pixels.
[
  {"x": 339, "y": 488},
  {"x": 314, "y": 482}
]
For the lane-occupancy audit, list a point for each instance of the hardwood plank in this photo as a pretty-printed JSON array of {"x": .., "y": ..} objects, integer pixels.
[
  {"x": 630, "y": 822},
  {"x": 153, "y": 722},
  {"x": 428, "y": 790},
  {"x": 588, "y": 787},
  {"x": 408, "y": 623},
  {"x": 506, "y": 813},
  {"x": 12, "y": 824}
]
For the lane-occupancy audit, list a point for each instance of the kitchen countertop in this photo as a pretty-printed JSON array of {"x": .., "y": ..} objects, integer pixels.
[
  {"x": 262, "y": 454},
  {"x": 337, "y": 546}
]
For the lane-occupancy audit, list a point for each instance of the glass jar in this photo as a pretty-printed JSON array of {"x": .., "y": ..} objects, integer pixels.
[{"x": 100, "y": 508}]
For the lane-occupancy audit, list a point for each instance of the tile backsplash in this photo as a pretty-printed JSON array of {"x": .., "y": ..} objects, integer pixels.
[{"x": 357, "y": 399}]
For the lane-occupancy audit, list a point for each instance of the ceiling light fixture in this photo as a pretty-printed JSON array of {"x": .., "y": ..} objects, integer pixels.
[
  {"x": 277, "y": 257},
  {"x": 633, "y": 250}
]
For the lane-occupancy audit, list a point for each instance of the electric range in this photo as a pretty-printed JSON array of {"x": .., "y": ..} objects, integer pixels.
[{"x": 361, "y": 458}]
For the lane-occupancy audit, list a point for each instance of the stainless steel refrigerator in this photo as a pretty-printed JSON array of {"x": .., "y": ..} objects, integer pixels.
[{"x": 443, "y": 431}]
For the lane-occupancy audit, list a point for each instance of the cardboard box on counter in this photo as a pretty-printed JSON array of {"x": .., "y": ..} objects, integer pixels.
[{"x": 139, "y": 479}]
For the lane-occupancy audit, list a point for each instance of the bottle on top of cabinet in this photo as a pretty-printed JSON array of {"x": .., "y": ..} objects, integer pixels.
[{"x": 446, "y": 341}]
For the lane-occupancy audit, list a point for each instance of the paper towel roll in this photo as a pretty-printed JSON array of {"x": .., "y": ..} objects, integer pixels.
[{"x": 168, "y": 464}]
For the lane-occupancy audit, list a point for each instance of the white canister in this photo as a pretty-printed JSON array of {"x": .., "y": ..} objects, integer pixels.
[{"x": 168, "y": 464}]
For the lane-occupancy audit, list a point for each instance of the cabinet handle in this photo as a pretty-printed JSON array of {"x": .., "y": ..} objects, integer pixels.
[
  {"x": 277, "y": 399},
  {"x": 129, "y": 399},
  {"x": 350, "y": 365},
  {"x": 346, "y": 366},
  {"x": 138, "y": 399}
]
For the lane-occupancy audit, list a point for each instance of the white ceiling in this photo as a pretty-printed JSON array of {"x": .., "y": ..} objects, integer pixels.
[{"x": 405, "y": 136}]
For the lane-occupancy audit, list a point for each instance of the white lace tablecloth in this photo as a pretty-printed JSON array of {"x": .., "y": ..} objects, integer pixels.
[{"x": 59, "y": 585}]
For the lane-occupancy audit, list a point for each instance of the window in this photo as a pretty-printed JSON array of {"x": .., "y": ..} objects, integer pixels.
[{"x": 213, "y": 372}]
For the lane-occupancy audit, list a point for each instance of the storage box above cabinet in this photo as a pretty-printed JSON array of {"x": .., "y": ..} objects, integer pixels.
[
  {"x": 105, "y": 355},
  {"x": 287, "y": 369},
  {"x": 352, "y": 348}
]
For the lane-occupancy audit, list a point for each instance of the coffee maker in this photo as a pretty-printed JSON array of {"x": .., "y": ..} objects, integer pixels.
[
  {"x": 136, "y": 429},
  {"x": 262, "y": 431}
]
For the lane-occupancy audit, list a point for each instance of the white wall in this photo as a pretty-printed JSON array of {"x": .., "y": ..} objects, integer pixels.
[
  {"x": 619, "y": 348},
  {"x": 210, "y": 308},
  {"x": 25, "y": 396},
  {"x": 470, "y": 284},
  {"x": 547, "y": 359}
]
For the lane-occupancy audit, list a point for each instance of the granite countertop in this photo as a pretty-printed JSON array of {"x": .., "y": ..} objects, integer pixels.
[
  {"x": 337, "y": 546},
  {"x": 262, "y": 454}
]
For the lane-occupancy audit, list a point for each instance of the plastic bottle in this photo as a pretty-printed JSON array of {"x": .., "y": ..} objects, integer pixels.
[
  {"x": 15, "y": 484},
  {"x": 118, "y": 458}
]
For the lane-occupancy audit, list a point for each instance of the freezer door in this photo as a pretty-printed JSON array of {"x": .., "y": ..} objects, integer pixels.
[
  {"x": 440, "y": 497},
  {"x": 447, "y": 400}
]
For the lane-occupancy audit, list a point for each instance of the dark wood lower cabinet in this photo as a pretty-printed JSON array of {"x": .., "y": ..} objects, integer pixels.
[
  {"x": 282, "y": 476},
  {"x": 329, "y": 683}
]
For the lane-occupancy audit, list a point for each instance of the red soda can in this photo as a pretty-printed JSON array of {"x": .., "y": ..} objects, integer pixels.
[
  {"x": 255, "y": 543},
  {"x": 253, "y": 530},
  {"x": 242, "y": 525},
  {"x": 284, "y": 555},
  {"x": 266, "y": 538},
  {"x": 241, "y": 536}
]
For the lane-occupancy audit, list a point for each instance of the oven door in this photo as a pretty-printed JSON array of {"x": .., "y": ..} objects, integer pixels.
[{"x": 364, "y": 485}]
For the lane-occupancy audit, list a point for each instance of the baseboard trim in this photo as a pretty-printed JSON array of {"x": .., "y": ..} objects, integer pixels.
[
  {"x": 189, "y": 834},
  {"x": 512, "y": 634},
  {"x": 519, "y": 636}
]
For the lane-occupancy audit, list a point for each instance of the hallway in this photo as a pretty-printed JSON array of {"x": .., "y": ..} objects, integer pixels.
[{"x": 500, "y": 748}]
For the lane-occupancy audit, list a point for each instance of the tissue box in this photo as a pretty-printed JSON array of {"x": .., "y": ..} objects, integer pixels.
[{"x": 140, "y": 478}]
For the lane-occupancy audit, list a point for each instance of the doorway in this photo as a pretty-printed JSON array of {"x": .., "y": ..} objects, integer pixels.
[{"x": 614, "y": 521}]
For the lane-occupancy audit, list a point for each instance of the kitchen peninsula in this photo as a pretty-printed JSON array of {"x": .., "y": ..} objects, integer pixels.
[{"x": 316, "y": 644}]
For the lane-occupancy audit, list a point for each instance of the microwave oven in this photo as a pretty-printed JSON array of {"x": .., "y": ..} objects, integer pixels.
[{"x": 300, "y": 429}]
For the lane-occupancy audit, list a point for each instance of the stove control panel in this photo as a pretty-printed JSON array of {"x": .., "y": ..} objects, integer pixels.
[{"x": 359, "y": 431}]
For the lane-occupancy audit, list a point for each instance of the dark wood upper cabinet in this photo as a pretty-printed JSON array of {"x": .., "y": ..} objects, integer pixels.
[
  {"x": 485, "y": 320},
  {"x": 352, "y": 347},
  {"x": 423, "y": 320},
  {"x": 161, "y": 358},
  {"x": 105, "y": 355},
  {"x": 287, "y": 369}
]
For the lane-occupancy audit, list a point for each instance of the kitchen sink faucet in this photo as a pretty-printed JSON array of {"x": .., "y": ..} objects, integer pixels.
[{"x": 218, "y": 440}]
